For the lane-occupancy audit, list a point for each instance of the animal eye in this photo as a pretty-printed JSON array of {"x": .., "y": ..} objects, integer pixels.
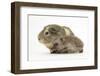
[{"x": 46, "y": 33}]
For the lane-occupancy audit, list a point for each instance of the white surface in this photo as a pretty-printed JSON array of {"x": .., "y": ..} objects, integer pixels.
[
  {"x": 5, "y": 49},
  {"x": 38, "y": 55}
]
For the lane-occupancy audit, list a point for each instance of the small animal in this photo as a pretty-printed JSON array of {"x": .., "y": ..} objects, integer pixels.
[{"x": 60, "y": 39}]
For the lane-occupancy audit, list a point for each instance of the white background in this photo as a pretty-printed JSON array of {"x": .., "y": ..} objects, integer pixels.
[
  {"x": 79, "y": 26},
  {"x": 36, "y": 24},
  {"x": 5, "y": 32}
]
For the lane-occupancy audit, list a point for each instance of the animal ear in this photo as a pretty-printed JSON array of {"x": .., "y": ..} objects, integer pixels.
[
  {"x": 53, "y": 30},
  {"x": 68, "y": 31}
]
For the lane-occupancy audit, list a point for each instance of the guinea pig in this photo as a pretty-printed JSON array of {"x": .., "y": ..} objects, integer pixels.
[{"x": 51, "y": 37}]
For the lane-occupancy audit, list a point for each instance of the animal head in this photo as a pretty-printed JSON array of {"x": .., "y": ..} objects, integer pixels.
[{"x": 50, "y": 33}]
